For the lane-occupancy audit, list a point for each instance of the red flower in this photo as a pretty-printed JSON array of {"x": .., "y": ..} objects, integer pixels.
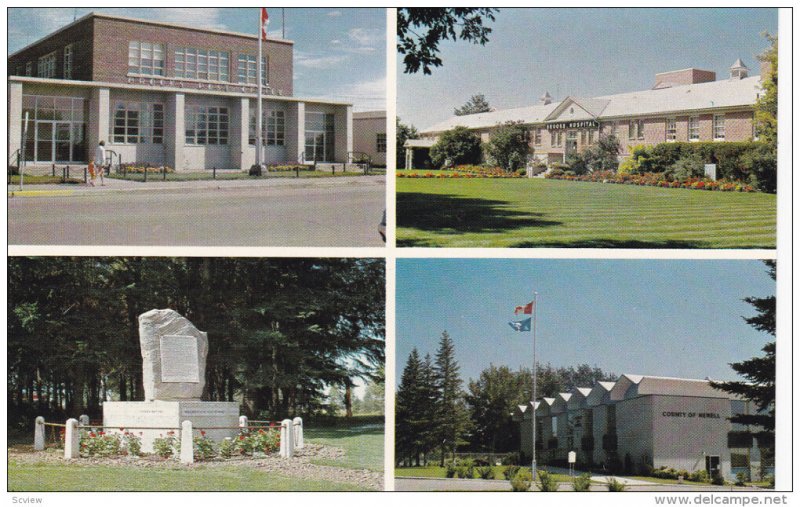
[
  {"x": 241, "y": 437},
  {"x": 102, "y": 433},
  {"x": 202, "y": 432}
]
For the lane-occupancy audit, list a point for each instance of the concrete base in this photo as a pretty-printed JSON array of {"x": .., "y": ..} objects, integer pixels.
[{"x": 129, "y": 415}]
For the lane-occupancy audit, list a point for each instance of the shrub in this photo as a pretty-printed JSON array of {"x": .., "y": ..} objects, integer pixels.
[
  {"x": 485, "y": 472},
  {"x": 511, "y": 471},
  {"x": 166, "y": 447},
  {"x": 582, "y": 482},
  {"x": 203, "y": 447},
  {"x": 255, "y": 170},
  {"x": 99, "y": 444},
  {"x": 450, "y": 470},
  {"x": 465, "y": 469},
  {"x": 740, "y": 478},
  {"x": 132, "y": 444},
  {"x": 277, "y": 168},
  {"x": 509, "y": 146},
  {"x": 521, "y": 481},
  {"x": 226, "y": 448},
  {"x": 456, "y": 146},
  {"x": 690, "y": 166},
  {"x": 577, "y": 162},
  {"x": 142, "y": 167},
  {"x": 698, "y": 476},
  {"x": 717, "y": 479},
  {"x": 546, "y": 481},
  {"x": 615, "y": 486},
  {"x": 246, "y": 443}
]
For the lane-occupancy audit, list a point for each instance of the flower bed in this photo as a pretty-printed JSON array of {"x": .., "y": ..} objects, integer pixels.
[
  {"x": 289, "y": 167},
  {"x": 141, "y": 168},
  {"x": 464, "y": 172},
  {"x": 655, "y": 180}
]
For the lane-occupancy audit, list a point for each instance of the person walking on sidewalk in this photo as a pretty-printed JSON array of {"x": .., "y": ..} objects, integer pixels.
[{"x": 100, "y": 161}]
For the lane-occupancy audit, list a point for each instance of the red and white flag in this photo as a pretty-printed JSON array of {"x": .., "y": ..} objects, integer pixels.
[
  {"x": 264, "y": 23},
  {"x": 526, "y": 309}
]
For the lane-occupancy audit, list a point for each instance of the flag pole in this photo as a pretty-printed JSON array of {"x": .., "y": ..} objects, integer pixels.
[
  {"x": 258, "y": 107},
  {"x": 533, "y": 402}
]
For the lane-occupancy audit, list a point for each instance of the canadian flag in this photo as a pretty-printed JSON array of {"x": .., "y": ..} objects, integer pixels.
[{"x": 264, "y": 23}]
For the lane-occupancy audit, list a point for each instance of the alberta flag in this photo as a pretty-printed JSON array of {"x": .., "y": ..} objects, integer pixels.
[{"x": 521, "y": 325}]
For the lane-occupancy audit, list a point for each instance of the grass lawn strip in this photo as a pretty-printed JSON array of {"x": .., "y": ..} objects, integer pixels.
[{"x": 537, "y": 212}]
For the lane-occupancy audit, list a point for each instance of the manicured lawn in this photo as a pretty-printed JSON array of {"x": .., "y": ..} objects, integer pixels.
[
  {"x": 362, "y": 443},
  {"x": 437, "y": 472},
  {"x": 553, "y": 213},
  {"x": 49, "y": 477}
]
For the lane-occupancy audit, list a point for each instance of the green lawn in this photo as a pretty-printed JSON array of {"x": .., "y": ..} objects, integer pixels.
[
  {"x": 555, "y": 213},
  {"x": 109, "y": 478},
  {"x": 437, "y": 472},
  {"x": 363, "y": 445}
]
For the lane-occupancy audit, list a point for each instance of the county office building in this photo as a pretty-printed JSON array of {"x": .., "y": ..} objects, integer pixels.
[
  {"x": 645, "y": 421},
  {"x": 165, "y": 94},
  {"x": 687, "y": 105}
]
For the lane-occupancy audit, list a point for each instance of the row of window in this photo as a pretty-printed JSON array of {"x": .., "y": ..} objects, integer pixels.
[
  {"x": 46, "y": 65},
  {"x": 636, "y": 131},
  {"x": 147, "y": 59},
  {"x": 143, "y": 123}
]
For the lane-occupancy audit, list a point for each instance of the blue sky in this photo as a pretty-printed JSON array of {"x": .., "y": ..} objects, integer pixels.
[
  {"x": 339, "y": 53},
  {"x": 580, "y": 52},
  {"x": 679, "y": 318}
]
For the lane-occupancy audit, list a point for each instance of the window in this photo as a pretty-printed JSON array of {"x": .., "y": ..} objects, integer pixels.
[
  {"x": 694, "y": 128},
  {"x": 636, "y": 129},
  {"x": 537, "y": 137},
  {"x": 246, "y": 70},
  {"x": 209, "y": 65},
  {"x": 29, "y": 69},
  {"x": 206, "y": 125},
  {"x": 47, "y": 66},
  {"x": 138, "y": 123},
  {"x": 672, "y": 129},
  {"x": 559, "y": 139},
  {"x": 320, "y": 133},
  {"x": 380, "y": 143},
  {"x": 718, "y": 126},
  {"x": 552, "y": 138},
  {"x": 274, "y": 125},
  {"x": 68, "y": 61},
  {"x": 631, "y": 130},
  {"x": 145, "y": 58}
]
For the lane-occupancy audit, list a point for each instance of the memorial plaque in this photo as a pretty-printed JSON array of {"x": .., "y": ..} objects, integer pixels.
[{"x": 179, "y": 359}]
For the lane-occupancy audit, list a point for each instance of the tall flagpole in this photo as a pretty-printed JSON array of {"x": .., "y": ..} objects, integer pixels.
[
  {"x": 258, "y": 107},
  {"x": 533, "y": 403}
]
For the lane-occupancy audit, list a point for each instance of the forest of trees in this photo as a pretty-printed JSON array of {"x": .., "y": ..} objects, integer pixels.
[
  {"x": 280, "y": 330},
  {"x": 436, "y": 416}
]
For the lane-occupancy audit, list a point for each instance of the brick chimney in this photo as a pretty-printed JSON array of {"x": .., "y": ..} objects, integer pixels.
[{"x": 683, "y": 77}]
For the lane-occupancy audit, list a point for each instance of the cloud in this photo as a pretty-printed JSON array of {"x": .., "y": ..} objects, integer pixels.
[
  {"x": 334, "y": 14},
  {"x": 367, "y": 36},
  {"x": 315, "y": 61},
  {"x": 205, "y": 17}
]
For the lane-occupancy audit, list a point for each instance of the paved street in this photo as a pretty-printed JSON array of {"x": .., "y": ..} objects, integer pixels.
[{"x": 282, "y": 212}]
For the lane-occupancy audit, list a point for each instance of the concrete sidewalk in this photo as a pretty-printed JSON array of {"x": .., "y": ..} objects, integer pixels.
[{"x": 155, "y": 185}]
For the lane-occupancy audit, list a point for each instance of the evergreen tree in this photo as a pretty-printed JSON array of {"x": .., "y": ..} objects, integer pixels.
[
  {"x": 410, "y": 422},
  {"x": 476, "y": 104},
  {"x": 452, "y": 419},
  {"x": 759, "y": 372}
]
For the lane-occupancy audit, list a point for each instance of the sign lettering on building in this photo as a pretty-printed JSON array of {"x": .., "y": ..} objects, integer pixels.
[
  {"x": 702, "y": 415},
  {"x": 572, "y": 125}
]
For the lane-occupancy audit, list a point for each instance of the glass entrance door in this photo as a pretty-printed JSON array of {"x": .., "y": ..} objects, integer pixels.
[
  {"x": 62, "y": 142},
  {"x": 315, "y": 146},
  {"x": 44, "y": 141}
]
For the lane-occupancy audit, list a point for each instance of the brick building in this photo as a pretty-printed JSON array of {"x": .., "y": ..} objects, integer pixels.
[
  {"x": 165, "y": 94},
  {"x": 645, "y": 421},
  {"x": 369, "y": 135},
  {"x": 683, "y": 105}
]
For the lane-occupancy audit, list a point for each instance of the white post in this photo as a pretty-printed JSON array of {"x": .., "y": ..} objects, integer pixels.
[
  {"x": 72, "y": 440},
  {"x": 38, "y": 434},
  {"x": 259, "y": 152},
  {"x": 298, "y": 432},
  {"x": 187, "y": 443},
  {"x": 243, "y": 422},
  {"x": 84, "y": 420},
  {"x": 287, "y": 439}
]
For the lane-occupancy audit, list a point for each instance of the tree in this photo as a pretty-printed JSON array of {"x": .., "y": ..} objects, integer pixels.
[
  {"x": 456, "y": 146},
  {"x": 766, "y": 115},
  {"x": 451, "y": 420},
  {"x": 759, "y": 372},
  {"x": 476, "y": 104},
  {"x": 492, "y": 398},
  {"x": 420, "y": 30},
  {"x": 404, "y": 133},
  {"x": 412, "y": 422},
  {"x": 602, "y": 156},
  {"x": 509, "y": 146}
]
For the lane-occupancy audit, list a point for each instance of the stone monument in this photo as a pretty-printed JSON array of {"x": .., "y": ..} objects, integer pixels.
[{"x": 173, "y": 372}]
